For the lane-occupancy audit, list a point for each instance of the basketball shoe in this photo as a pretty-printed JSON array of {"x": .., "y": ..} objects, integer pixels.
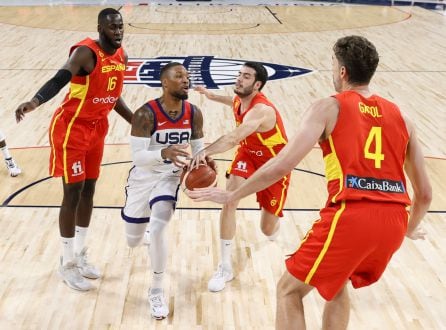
[
  {"x": 71, "y": 276},
  {"x": 12, "y": 167},
  {"x": 86, "y": 269},
  {"x": 158, "y": 307},
  {"x": 219, "y": 279}
]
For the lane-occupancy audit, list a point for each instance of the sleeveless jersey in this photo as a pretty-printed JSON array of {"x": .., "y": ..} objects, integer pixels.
[
  {"x": 264, "y": 144},
  {"x": 365, "y": 153},
  {"x": 167, "y": 131},
  {"x": 93, "y": 96}
]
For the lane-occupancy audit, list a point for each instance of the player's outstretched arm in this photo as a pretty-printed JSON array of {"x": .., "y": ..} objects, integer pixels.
[
  {"x": 422, "y": 190},
  {"x": 212, "y": 96},
  {"x": 82, "y": 57}
]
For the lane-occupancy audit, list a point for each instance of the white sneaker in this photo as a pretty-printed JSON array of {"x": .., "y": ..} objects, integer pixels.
[
  {"x": 219, "y": 279},
  {"x": 86, "y": 269},
  {"x": 146, "y": 239},
  {"x": 71, "y": 276},
  {"x": 158, "y": 307},
  {"x": 12, "y": 167}
]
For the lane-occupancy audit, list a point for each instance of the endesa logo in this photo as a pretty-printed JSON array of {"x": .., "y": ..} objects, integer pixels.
[
  {"x": 207, "y": 71},
  {"x": 105, "y": 100}
]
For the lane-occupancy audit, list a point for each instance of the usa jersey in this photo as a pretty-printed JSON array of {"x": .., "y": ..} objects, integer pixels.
[
  {"x": 93, "y": 96},
  {"x": 364, "y": 155},
  {"x": 167, "y": 131},
  {"x": 267, "y": 144}
]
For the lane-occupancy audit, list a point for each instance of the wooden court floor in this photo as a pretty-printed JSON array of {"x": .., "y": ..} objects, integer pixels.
[{"x": 34, "y": 44}]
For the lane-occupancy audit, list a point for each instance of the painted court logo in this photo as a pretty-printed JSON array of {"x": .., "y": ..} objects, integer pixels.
[
  {"x": 373, "y": 184},
  {"x": 207, "y": 71}
]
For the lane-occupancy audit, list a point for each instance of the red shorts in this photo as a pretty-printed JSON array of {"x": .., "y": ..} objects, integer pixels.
[
  {"x": 352, "y": 240},
  {"x": 76, "y": 147},
  {"x": 272, "y": 199}
]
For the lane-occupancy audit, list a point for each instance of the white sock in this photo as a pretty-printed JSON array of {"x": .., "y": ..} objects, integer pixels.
[
  {"x": 274, "y": 236},
  {"x": 79, "y": 239},
  {"x": 67, "y": 249},
  {"x": 226, "y": 251},
  {"x": 5, "y": 152},
  {"x": 157, "y": 282}
]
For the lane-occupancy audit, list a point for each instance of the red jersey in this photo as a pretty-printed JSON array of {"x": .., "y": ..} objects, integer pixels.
[
  {"x": 93, "y": 96},
  {"x": 365, "y": 153},
  {"x": 263, "y": 144}
]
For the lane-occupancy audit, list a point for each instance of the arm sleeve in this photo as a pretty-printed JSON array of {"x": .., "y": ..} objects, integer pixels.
[
  {"x": 196, "y": 145},
  {"x": 141, "y": 155},
  {"x": 53, "y": 86}
]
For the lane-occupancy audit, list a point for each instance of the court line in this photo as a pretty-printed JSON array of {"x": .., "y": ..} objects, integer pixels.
[{"x": 16, "y": 193}]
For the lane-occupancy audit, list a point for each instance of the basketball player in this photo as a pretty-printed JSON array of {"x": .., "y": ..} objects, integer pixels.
[
  {"x": 161, "y": 131},
  {"x": 366, "y": 143},
  {"x": 260, "y": 135},
  {"x": 77, "y": 132},
  {"x": 11, "y": 165}
]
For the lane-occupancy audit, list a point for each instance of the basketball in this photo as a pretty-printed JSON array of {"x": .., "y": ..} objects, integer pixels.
[{"x": 202, "y": 177}]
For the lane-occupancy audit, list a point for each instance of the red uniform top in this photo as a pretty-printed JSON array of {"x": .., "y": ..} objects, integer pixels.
[
  {"x": 93, "y": 96},
  {"x": 365, "y": 153},
  {"x": 264, "y": 144}
]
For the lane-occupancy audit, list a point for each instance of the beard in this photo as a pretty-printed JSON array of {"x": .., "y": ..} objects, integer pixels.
[
  {"x": 244, "y": 91},
  {"x": 180, "y": 96}
]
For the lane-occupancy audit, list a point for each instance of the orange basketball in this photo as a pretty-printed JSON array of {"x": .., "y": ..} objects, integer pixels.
[{"x": 202, "y": 177}]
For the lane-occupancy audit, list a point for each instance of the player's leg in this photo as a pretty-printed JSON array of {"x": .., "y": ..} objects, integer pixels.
[
  {"x": 224, "y": 272},
  {"x": 161, "y": 214},
  {"x": 83, "y": 217},
  {"x": 11, "y": 165},
  {"x": 67, "y": 219},
  {"x": 272, "y": 201},
  {"x": 337, "y": 311},
  {"x": 269, "y": 224},
  {"x": 290, "y": 309}
]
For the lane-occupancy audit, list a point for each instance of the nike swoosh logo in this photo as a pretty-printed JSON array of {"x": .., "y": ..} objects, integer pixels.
[{"x": 161, "y": 124}]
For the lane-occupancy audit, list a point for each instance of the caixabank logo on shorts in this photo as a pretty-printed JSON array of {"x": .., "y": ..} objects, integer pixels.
[
  {"x": 206, "y": 71},
  {"x": 374, "y": 184}
]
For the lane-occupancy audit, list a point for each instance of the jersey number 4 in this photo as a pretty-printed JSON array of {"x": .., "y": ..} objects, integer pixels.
[{"x": 375, "y": 137}]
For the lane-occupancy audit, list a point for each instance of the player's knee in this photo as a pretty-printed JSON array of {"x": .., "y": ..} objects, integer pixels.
[{"x": 157, "y": 228}]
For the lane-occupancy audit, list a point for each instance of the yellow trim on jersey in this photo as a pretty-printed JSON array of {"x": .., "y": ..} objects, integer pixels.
[
  {"x": 52, "y": 142},
  {"x": 333, "y": 170},
  {"x": 326, "y": 244},
  {"x": 282, "y": 195},
  {"x": 80, "y": 92},
  {"x": 273, "y": 140}
]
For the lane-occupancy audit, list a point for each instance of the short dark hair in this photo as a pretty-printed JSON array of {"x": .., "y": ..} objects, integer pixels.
[
  {"x": 261, "y": 73},
  {"x": 359, "y": 56},
  {"x": 105, "y": 12},
  {"x": 166, "y": 68}
]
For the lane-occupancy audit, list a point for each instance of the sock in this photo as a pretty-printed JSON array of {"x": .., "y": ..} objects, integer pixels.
[
  {"x": 226, "y": 251},
  {"x": 79, "y": 239},
  {"x": 67, "y": 249},
  {"x": 157, "y": 282},
  {"x": 274, "y": 236},
  {"x": 5, "y": 152}
]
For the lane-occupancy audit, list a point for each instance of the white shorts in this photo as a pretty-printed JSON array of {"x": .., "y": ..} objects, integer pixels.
[{"x": 143, "y": 191}]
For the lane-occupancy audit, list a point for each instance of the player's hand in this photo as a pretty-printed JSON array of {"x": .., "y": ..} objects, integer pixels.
[
  {"x": 211, "y": 162},
  {"x": 417, "y": 233},
  {"x": 197, "y": 159},
  {"x": 212, "y": 194},
  {"x": 25, "y": 108},
  {"x": 176, "y": 154},
  {"x": 203, "y": 90}
]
